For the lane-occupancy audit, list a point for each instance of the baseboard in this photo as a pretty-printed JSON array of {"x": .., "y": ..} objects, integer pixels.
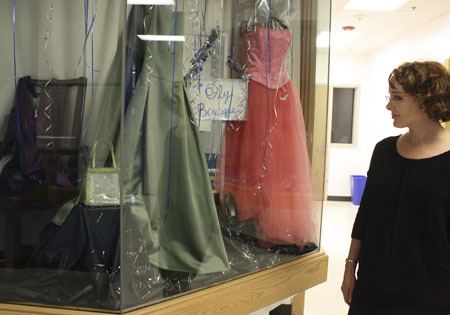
[{"x": 339, "y": 198}]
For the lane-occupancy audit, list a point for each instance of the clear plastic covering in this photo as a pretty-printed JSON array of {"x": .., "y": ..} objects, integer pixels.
[{"x": 149, "y": 150}]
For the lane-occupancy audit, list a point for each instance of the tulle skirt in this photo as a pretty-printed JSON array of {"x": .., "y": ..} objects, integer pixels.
[{"x": 264, "y": 163}]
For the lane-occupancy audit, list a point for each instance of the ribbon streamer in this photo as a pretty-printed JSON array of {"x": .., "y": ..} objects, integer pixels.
[
  {"x": 88, "y": 33},
  {"x": 174, "y": 25},
  {"x": 18, "y": 126},
  {"x": 149, "y": 53}
]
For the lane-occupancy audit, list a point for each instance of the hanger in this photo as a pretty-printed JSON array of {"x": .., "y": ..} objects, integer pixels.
[{"x": 274, "y": 23}]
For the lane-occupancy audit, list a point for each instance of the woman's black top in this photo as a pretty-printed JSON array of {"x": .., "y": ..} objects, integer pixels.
[{"x": 403, "y": 223}]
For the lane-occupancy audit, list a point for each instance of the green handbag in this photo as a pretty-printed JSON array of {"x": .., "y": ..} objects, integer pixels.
[{"x": 102, "y": 183}]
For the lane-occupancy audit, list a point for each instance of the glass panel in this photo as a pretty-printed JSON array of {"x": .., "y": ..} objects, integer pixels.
[
  {"x": 217, "y": 173},
  {"x": 60, "y": 92},
  {"x": 318, "y": 128}
]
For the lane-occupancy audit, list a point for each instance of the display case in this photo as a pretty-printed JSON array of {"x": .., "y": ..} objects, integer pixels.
[{"x": 159, "y": 157}]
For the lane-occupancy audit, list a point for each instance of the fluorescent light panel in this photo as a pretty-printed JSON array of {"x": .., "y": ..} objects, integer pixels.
[
  {"x": 152, "y": 2},
  {"x": 374, "y": 5},
  {"x": 338, "y": 39},
  {"x": 163, "y": 38}
]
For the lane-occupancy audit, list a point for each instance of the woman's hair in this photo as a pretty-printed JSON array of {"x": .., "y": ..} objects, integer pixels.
[{"x": 429, "y": 81}]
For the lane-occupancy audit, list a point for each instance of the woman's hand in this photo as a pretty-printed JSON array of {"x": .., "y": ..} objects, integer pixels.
[{"x": 348, "y": 283}]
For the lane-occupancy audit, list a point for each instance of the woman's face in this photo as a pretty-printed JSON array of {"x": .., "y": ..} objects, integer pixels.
[{"x": 405, "y": 108}]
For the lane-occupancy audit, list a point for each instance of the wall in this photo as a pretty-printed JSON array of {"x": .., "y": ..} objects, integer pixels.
[
  {"x": 349, "y": 70},
  {"x": 370, "y": 72}
]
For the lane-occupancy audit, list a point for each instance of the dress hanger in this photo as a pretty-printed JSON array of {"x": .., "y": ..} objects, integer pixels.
[
  {"x": 273, "y": 23},
  {"x": 262, "y": 13}
]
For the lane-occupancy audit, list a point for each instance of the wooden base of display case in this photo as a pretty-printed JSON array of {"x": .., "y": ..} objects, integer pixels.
[{"x": 240, "y": 296}]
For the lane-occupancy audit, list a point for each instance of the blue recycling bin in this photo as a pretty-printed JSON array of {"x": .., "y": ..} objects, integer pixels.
[{"x": 357, "y": 184}]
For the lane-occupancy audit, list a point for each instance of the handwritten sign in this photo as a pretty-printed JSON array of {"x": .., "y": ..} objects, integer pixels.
[{"x": 222, "y": 99}]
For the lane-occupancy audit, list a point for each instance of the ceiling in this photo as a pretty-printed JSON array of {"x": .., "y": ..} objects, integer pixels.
[{"x": 379, "y": 28}]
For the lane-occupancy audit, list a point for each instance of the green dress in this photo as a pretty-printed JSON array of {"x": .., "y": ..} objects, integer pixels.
[{"x": 167, "y": 193}]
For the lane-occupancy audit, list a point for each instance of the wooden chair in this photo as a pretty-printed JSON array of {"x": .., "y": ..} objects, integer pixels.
[{"x": 56, "y": 148}]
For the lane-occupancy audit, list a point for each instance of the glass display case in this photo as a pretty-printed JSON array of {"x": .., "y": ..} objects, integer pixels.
[{"x": 151, "y": 150}]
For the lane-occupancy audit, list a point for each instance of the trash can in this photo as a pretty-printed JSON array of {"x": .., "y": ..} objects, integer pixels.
[{"x": 357, "y": 184}]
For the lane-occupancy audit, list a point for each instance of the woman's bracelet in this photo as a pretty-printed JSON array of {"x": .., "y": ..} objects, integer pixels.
[{"x": 350, "y": 261}]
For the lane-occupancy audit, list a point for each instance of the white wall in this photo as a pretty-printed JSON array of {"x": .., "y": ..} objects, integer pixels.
[
  {"x": 370, "y": 72},
  {"x": 349, "y": 70}
]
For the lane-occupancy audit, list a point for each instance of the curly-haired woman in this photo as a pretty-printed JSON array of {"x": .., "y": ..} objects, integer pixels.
[{"x": 401, "y": 235}]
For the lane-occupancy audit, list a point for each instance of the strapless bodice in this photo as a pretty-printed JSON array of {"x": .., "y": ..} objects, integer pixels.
[{"x": 267, "y": 50}]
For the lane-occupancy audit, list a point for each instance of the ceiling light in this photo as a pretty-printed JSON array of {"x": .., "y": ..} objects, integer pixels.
[
  {"x": 152, "y": 2},
  {"x": 338, "y": 39},
  {"x": 374, "y": 5},
  {"x": 163, "y": 38}
]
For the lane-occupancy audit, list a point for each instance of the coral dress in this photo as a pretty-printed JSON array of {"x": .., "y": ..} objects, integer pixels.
[{"x": 264, "y": 160}]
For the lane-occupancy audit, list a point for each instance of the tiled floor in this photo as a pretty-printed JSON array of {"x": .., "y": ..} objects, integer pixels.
[{"x": 326, "y": 298}]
